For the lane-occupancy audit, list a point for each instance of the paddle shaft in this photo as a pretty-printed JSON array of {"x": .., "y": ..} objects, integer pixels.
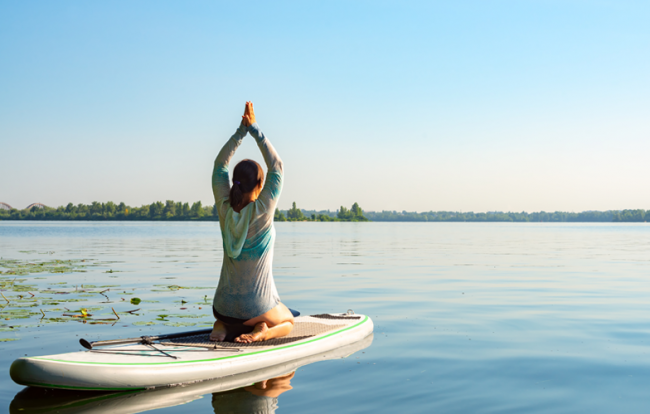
[{"x": 143, "y": 339}]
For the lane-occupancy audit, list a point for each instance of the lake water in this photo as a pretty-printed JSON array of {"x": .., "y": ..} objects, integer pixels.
[{"x": 469, "y": 317}]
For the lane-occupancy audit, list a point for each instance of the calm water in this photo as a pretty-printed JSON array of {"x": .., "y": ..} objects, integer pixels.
[{"x": 469, "y": 317}]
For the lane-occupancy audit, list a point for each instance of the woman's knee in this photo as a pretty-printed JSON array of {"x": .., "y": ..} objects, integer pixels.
[
  {"x": 279, "y": 314},
  {"x": 285, "y": 312}
]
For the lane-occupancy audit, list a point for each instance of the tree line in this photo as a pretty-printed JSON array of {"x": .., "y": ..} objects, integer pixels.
[
  {"x": 498, "y": 216},
  {"x": 343, "y": 214},
  {"x": 159, "y": 211},
  {"x": 169, "y": 210},
  {"x": 179, "y": 211}
]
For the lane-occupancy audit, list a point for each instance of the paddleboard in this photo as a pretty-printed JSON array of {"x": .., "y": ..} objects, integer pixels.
[
  {"x": 40, "y": 400},
  {"x": 186, "y": 359}
]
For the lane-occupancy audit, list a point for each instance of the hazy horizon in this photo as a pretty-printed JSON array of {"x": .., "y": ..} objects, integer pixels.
[
  {"x": 336, "y": 209},
  {"x": 416, "y": 106}
]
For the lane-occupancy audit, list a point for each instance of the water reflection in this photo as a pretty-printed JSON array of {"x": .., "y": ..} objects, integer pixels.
[
  {"x": 233, "y": 394},
  {"x": 261, "y": 397}
]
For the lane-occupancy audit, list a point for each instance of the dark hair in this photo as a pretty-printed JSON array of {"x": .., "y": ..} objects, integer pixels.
[{"x": 247, "y": 176}]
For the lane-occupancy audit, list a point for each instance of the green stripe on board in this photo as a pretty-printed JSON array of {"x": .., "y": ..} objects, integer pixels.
[{"x": 201, "y": 360}]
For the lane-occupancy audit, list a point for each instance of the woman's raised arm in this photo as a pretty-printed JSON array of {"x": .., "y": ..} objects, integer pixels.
[
  {"x": 273, "y": 183},
  {"x": 220, "y": 178}
]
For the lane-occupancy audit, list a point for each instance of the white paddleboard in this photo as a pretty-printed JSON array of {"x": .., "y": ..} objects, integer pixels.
[
  {"x": 39, "y": 400},
  {"x": 186, "y": 360}
]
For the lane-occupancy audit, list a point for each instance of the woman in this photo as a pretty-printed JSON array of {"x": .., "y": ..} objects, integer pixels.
[{"x": 246, "y": 304}]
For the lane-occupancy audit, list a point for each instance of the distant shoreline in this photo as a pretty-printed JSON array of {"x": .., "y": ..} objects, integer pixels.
[
  {"x": 179, "y": 212},
  {"x": 311, "y": 221}
]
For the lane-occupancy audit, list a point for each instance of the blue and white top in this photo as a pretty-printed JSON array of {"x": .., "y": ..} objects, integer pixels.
[{"x": 246, "y": 287}]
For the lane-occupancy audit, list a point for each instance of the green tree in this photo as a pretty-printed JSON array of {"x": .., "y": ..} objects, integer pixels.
[
  {"x": 143, "y": 212},
  {"x": 197, "y": 210},
  {"x": 294, "y": 213},
  {"x": 170, "y": 209},
  {"x": 156, "y": 210},
  {"x": 354, "y": 214},
  {"x": 279, "y": 216},
  {"x": 344, "y": 214},
  {"x": 357, "y": 213},
  {"x": 186, "y": 210},
  {"x": 82, "y": 209},
  {"x": 96, "y": 208},
  {"x": 109, "y": 209}
]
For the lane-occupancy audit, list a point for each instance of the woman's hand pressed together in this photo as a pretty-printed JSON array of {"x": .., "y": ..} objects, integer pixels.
[{"x": 249, "y": 115}]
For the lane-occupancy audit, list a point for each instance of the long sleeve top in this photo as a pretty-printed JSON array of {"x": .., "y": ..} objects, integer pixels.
[{"x": 246, "y": 287}]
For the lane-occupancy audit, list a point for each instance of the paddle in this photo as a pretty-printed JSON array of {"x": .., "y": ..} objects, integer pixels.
[{"x": 143, "y": 339}]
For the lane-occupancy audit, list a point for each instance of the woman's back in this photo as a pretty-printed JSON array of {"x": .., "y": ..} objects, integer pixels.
[{"x": 246, "y": 286}]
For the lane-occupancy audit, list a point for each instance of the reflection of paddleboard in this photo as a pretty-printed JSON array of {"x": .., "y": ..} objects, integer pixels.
[
  {"x": 39, "y": 400},
  {"x": 186, "y": 359}
]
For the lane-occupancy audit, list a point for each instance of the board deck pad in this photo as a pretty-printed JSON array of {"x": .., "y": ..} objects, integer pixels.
[
  {"x": 328, "y": 316},
  {"x": 301, "y": 330}
]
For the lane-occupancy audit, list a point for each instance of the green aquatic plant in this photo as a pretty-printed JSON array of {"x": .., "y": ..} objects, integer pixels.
[
  {"x": 52, "y": 302},
  {"x": 144, "y": 323},
  {"x": 34, "y": 293},
  {"x": 178, "y": 287},
  {"x": 22, "y": 267},
  {"x": 179, "y": 324},
  {"x": 30, "y": 304},
  {"x": 186, "y": 315},
  {"x": 9, "y": 314}
]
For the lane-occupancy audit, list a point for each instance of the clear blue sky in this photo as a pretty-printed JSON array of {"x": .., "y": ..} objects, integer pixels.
[{"x": 420, "y": 105}]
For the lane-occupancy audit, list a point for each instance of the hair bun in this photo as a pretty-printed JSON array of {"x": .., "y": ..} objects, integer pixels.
[{"x": 246, "y": 177}]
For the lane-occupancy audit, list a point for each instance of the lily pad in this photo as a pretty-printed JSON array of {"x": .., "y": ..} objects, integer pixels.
[
  {"x": 16, "y": 314},
  {"x": 187, "y": 315},
  {"x": 179, "y": 324},
  {"x": 144, "y": 323}
]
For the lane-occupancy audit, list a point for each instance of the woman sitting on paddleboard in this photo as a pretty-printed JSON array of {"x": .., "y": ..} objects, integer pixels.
[{"x": 246, "y": 304}]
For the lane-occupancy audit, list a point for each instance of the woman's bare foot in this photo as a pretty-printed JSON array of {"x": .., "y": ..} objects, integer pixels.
[
  {"x": 258, "y": 334},
  {"x": 218, "y": 332}
]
